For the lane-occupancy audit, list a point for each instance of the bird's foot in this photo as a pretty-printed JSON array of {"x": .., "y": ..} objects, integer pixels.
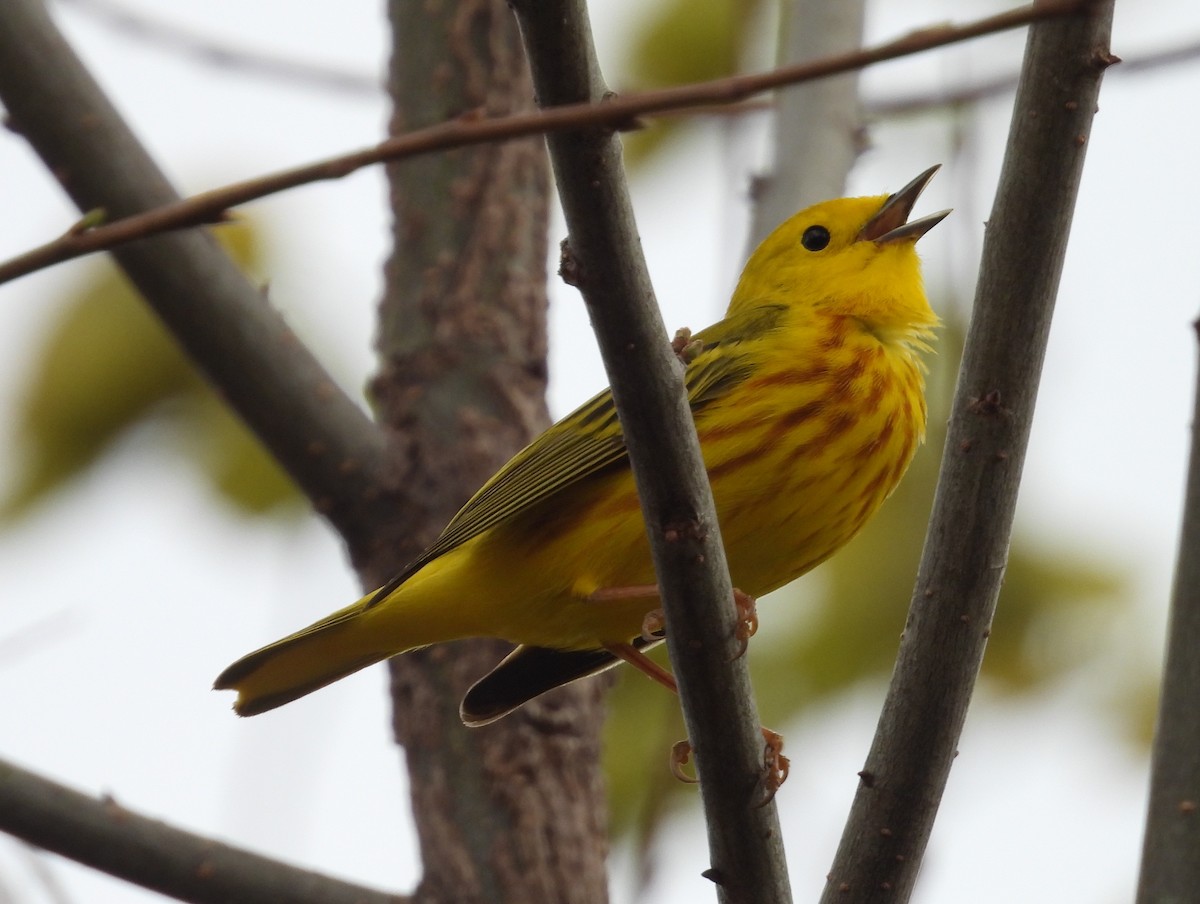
[
  {"x": 681, "y": 753},
  {"x": 685, "y": 347},
  {"x": 747, "y": 620},
  {"x": 654, "y": 625},
  {"x": 775, "y": 765}
]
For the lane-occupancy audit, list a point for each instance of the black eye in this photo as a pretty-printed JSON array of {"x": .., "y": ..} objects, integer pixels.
[{"x": 815, "y": 238}]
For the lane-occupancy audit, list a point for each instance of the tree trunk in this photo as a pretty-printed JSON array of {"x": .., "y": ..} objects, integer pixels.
[{"x": 514, "y": 811}]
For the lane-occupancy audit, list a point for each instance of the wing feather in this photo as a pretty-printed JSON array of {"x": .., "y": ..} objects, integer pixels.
[{"x": 590, "y": 440}]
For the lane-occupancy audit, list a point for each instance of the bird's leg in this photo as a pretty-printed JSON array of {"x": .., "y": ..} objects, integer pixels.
[
  {"x": 682, "y": 750},
  {"x": 634, "y": 592},
  {"x": 653, "y": 623},
  {"x": 775, "y": 764},
  {"x": 656, "y": 620},
  {"x": 643, "y": 664}
]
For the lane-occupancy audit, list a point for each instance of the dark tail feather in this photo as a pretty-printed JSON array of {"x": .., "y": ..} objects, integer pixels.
[{"x": 528, "y": 672}]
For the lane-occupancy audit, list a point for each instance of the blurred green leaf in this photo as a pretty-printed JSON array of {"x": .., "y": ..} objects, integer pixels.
[
  {"x": 1135, "y": 703},
  {"x": 683, "y": 41},
  {"x": 107, "y": 366},
  {"x": 235, "y": 461},
  {"x": 641, "y": 727}
]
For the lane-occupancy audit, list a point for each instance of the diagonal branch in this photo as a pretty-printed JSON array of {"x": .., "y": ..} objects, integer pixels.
[
  {"x": 604, "y": 255},
  {"x": 960, "y": 95},
  {"x": 1170, "y": 869},
  {"x": 966, "y": 545},
  {"x": 184, "y": 42},
  {"x": 474, "y": 128},
  {"x": 102, "y": 834},
  {"x": 327, "y": 444}
]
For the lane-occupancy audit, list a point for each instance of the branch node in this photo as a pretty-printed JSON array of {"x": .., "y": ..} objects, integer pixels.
[
  {"x": 568, "y": 265},
  {"x": 988, "y": 405},
  {"x": 684, "y": 529}
]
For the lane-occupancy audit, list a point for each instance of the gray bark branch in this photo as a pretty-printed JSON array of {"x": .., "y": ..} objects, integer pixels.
[
  {"x": 966, "y": 546},
  {"x": 514, "y": 812},
  {"x": 605, "y": 255},
  {"x": 1170, "y": 868},
  {"x": 105, "y": 835}
]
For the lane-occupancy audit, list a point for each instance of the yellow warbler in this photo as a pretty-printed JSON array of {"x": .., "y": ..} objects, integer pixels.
[{"x": 809, "y": 403}]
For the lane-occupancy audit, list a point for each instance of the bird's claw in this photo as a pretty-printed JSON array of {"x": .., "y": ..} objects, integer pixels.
[
  {"x": 654, "y": 625},
  {"x": 685, "y": 347},
  {"x": 775, "y": 765},
  {"x": 681, "y": 752},
  {"x": 747, "y": 620}
]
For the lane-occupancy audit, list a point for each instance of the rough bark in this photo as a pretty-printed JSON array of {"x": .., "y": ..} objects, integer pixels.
[{"x": 513, "y": 812}]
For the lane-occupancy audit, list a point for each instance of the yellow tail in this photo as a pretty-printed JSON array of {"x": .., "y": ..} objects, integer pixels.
[{"x": 303, "y": 662}]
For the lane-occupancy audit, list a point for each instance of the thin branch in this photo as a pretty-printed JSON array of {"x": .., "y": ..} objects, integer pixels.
[
  {"x": 604, "y": 256},
  {"x": 967, "y": 542},
  {"x": 1170, "y": 869},
  {"x": 105, "y": 835},
  {"x": 985, "y": 89},
  {"x": 302, "y": 74},
  {"x": 324, "y": 440},
  {"x": 475, "y": 128},
  {"x": 922, "y": 102}
]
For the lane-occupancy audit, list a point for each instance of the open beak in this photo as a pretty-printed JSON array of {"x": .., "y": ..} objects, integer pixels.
[{"x": 891, "y": 223}]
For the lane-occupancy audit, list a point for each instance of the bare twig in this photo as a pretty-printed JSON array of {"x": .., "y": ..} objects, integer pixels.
[
  {"x": 103, "y": 834},
  {"x": 967, "y": 543},
  {"x": 918, "y": 103},
  {"x": 323, "y": 439},
  {"x": 985, "y": 89},
  {"x": 302, "y": 74},
  {"x": 306, "y": 75},
  {"x": 475, "y": 128},
  {"x": 1170, "y": 869},
  {"x": 606, "y": 260}
]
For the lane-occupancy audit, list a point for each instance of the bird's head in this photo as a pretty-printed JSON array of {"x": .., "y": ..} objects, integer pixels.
[{"x": 853, "y": 257}]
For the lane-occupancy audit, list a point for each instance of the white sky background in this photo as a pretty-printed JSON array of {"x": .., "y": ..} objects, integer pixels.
[{"x": 134, "y": 589}]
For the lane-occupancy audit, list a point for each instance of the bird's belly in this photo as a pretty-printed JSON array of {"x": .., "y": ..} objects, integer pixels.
[
  {"x": 801, "y": 485},
  {"x": 791, "y": 487}
]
